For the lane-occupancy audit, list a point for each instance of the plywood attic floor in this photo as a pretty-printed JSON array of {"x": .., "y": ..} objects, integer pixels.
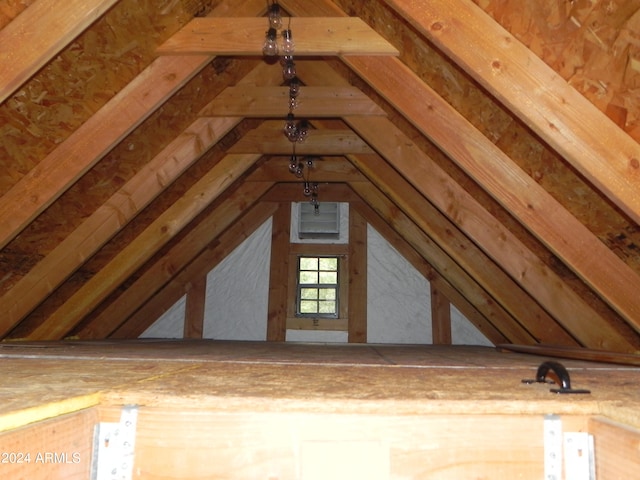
[{"x": 40, "y": 380}]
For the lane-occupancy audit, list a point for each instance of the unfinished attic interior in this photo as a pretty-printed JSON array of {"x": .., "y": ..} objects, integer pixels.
[{"x": 322, "y": 247}]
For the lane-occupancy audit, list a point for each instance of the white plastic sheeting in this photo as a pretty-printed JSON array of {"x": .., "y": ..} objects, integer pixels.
[
  {"x": 236, "y": 306},
  {"x": 399, "y": 303}
]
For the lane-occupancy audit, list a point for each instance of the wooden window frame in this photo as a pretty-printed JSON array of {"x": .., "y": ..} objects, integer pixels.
[{"x": 341, "y": 323}]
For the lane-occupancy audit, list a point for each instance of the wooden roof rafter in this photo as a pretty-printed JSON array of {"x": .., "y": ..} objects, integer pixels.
[
  {"x": 42, "y": 185},
  {"x": 117, "y": 211},
  {"x": 38, "y": 34},
  {"x": 533, "y": 206},
  {"x": 534, "y": 92},
  {"x": 409, "y": 160},
  {"x": 136, "y": 253},
  {"x": 185, "y": 261}
]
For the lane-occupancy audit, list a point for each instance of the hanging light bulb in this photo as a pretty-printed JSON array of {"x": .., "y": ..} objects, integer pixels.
[
  {"x": 287, "y": 42},
  {"x": 275, "y": 18},
  {"x": 294, "y": 91},
  {"x": 288, "y": 67},
  {"x": 302, "y": 130},
  {"x": 293, "y": 164},
  {"x": 290, "y": 128},
  {"x": 294, "y": 87},
  {"x": 270, "y": 46},
  {"x": 306, "y": 191},
  {"x": 299, "y": 170}
]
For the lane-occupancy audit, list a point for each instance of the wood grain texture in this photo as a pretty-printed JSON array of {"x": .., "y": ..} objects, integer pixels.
[
  {"x": 358, "y": 293},
  {"x": 245, "y": 36},
  {"x": 165, "y": 227},
  {"x": 107, "y": 220},
  {"x": 536, "y": 209},
  {"x": 269, "y": 139},
  {"x": 498, "y": 312},
  {"x": 617, "y": 448},
  {"x": 160, "y": 286},
  {"x": 38, "y": 34},
  {"x": 526, "y": 85},
  {"x": 258, "y": 102},
  {"x": 279, "y": 277},
  {"x": 401, "y": 236},
  {"x": 498, "y": 242}
]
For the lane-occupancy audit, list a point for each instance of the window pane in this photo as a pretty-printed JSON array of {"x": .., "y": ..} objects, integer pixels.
[
  {"x": 307, "y": 278},
  {"x": 308, "y": 306},
  {"x": 329, "y": 277},
  {"x": 329, "y": 264},
  {"x": 327, "y": 307},
  {"x": 309, "y": 293},
  {"x": 327, "y": 294},
  {"x": 308, "y": 263},
  {"x": 318, "y": 286}
]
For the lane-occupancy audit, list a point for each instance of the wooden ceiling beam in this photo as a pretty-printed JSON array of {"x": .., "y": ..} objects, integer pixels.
[
  {"x": 457, "y": 258},
  {"x": 245, "y": 37},
  {"x": 38, "y": 34},
  {"x": 325, "y": 169},
  {"x": 164, "y": 299},
  {"x": 143, "y": 247},
  {"x": 165, "y": 280},
  {"x": 109, "y": 219},
  {"x": 399, "y": 148},
  {"x": 569, "y": 239},
  {"x": 514, "y": 257},
  {"x": 48, "y": 180},
  {"x": 292, "y": 192},
  {"x": 260, "y": 102},
  {"x": 557, "y": 112},
  {"x": 399, "y": 231},
  {"x": 269, "y": 139}
]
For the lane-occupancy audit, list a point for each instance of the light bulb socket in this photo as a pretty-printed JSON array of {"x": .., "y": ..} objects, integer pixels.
[
  {"x": 275, "y": 18},
  {"x": 270, "y": 46}
]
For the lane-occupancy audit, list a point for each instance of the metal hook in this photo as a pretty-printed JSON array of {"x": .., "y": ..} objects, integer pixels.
[{"x": 562, "y": 374}]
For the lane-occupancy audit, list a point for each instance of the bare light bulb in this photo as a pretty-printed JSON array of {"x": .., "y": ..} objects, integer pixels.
[
  {"x": 293, "y": 164},
  {"x": 288, "y": 68},
  {"x": 294, "y": 87},
  {"x": 275, "y": 19},
  {"x": 270, "y": 46},
  {"x": 290, "y": 128},
  {"x": 287, "y": 42}
]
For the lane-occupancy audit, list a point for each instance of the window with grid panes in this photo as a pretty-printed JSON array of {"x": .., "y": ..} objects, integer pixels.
[{"x": 317, "y": 287}]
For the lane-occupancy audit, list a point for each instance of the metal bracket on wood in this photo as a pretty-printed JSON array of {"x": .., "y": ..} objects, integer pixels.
[
  {"x": 114, "y": 447},
  {"x": 562, "y": 374}
]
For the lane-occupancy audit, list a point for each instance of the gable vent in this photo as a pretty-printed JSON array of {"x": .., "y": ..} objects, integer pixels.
[{"x": 325, "y": 223}]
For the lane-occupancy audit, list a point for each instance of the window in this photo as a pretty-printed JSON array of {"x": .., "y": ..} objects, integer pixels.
[{"x": 317, "y": 287}]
